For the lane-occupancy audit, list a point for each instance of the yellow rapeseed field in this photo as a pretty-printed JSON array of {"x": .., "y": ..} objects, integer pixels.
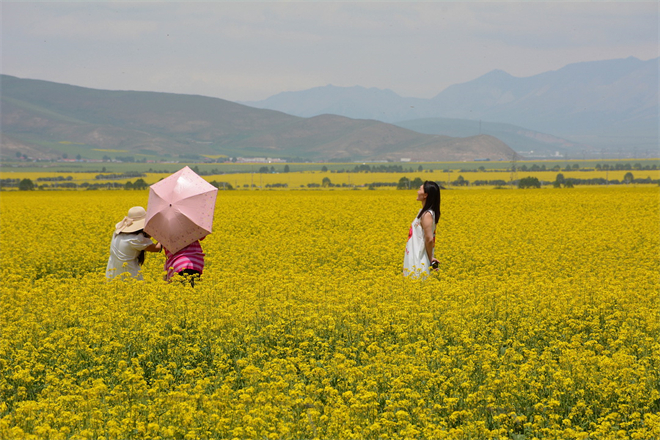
[
  {"x": 542, "y": 323},
  {"x": 300, "y": 179}
]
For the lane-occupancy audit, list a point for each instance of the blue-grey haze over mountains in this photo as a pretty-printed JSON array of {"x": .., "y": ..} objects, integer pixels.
[{"x": 611, "y": 104}]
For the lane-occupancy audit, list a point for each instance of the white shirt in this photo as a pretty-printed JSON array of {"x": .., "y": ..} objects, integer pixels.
[{"x": 124, "y": 249}]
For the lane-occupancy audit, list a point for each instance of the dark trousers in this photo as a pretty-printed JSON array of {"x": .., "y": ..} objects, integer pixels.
[{"x": 190, "y": 275}]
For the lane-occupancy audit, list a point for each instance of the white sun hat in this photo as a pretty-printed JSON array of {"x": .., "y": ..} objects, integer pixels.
[{"x": 134, "y": 220}]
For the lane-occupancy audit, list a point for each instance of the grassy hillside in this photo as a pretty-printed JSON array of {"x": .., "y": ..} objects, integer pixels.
[{"x": 48, "y": 120}]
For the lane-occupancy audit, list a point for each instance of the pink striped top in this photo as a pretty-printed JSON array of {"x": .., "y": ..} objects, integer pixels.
[{"x": 190, "y": 257}]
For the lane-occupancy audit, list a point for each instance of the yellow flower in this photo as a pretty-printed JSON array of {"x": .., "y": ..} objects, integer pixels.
[{"x": 541, "y": 322}]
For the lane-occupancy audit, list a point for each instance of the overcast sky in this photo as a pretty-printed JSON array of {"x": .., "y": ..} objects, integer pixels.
[{"x": 250, "y": 51}]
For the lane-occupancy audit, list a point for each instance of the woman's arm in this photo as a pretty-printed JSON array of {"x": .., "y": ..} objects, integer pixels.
[
  {"x": 427, "y": 226},
  {"x": 155, "y": 247}
]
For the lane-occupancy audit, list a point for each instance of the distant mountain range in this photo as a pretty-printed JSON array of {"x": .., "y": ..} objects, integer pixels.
[
  {"x": 609, "y": 104},
  {"x": 42, "y": 119}
]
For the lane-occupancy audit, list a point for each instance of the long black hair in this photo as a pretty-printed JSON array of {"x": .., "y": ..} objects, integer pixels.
[
  {"x": 432, "y": 191},
  {"x": 142, "y": 254}
]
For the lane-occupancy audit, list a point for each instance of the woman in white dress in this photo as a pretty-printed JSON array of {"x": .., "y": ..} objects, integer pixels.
[{"x": 419, "y": 257}]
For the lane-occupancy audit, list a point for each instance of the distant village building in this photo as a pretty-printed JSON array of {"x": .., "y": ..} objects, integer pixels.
[{"x": 259, "y": 160}]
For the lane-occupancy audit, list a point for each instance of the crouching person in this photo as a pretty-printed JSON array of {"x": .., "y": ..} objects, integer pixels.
[{"x": 188, "y": 262}]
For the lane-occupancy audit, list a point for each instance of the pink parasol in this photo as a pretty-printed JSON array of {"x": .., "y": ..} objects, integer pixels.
[{"x": 180, "y": 209}]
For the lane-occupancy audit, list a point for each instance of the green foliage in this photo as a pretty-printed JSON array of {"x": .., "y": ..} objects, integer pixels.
[
  {"x": 25, "y": 185},
  {"x": 115, "y": 176},
  {"x": 529, "y": 182},
  {"x": 404, "y": 183},
  {"x": 460, "y": 181},
  {"x": 225, "y": 186},
  {"x": 140, "y": 184}
]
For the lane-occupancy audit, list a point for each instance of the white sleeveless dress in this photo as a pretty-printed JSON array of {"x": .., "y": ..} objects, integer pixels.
[{"x": 415, "y": 260}]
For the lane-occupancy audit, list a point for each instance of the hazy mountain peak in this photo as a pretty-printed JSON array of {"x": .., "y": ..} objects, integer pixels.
[
  {"x": 496, "y": 74},
  {"x": 610, "y": 103},
  {"x": 352, "y": 102},
  {"x": 328, "y": 91},
  {"x": 494, "y": 77}
]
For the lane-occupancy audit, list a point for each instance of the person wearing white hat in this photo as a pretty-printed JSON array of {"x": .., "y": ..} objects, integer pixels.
[{"x": 128, "y": 245}]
